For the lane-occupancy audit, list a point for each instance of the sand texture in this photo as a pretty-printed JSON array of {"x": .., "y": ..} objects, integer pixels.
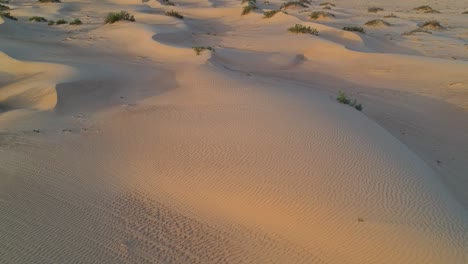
[{"x": 120, "y": 144}]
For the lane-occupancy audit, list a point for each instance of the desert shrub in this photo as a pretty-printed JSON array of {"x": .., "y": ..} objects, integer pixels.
[
  {"x": 249, "y": 1},
  {"x": 268, "y": 14},
  {"x": 8, "y": 16},
  {"x": 76, "y": 22},
  {"x": 425, "y": 9},
  {"x": 119, "y": 16},
  {"x": 4, "y": 7},
  {"x": 374, "y": 9},
  {"x": 298, "y": 28},
  {"x": 175, "y": 14},
  {"x": 465, "y": 13},
  {"x": 377, "y": 22},
  {"x": 51, "y": 22},
  {"x": 199, "y": 50},
  {"x": 326, "y": 3},
  {"x": 344, "y": 99},
  {"x": 166, "y": 2},
  {"x": 390, "y": 16},
  {"x": 418, "y": 30},
  {"x": 320, "y": 14},
  {"x": 49, "y": 1},
  {"x": 247, "y": 9},
  {"x": 37, "y": 19},
  {"x": 434, "y": 25},
  {"x": 292, "y": 3},
  {"x": 355, "y": 29},
  {"x": 61, "y": 22}
]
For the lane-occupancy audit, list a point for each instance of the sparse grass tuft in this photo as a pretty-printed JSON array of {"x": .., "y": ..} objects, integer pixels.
[
  {"x": 51, "y": 22},
  {"x": 175, "y": 14},
  {"x": 8, "y": 16},
  {"x": 320, "y": 14},
  {"x": 354, "y": 29},
  {"x": 344, "y": 99},
  {"x": 166, "y": 2},
  {"x": 374, "y": 9},
  {"x": 327, "y": 4},
  {"x": 300, "y": 29},
  {"x": 432, "y": 25},
  {"x": 61, "y": 22},
  {"x": 76, "y": 22},
  {"x": 199, "y": 50},
  {"x": 37, "y": 19},
  {"x": 418, "y": 30},
  {"x": 268, "y": 14},
  {"x": 390, "y": 16},
  {"x": 377, "y": 22},
  {"x": 247, "y": 9},
  {"x": 119, "y": 16},
  {"x": 293, "y": 3}
]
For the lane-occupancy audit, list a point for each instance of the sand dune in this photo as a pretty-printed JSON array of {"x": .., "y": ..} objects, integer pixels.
[{"x": 119, "y": 144}]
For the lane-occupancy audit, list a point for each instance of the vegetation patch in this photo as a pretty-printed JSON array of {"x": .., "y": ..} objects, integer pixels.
[
  {"x": 390, "y": 16},
  {"x": 268, "y": 14},
  {"x": 327, "y": 4},
  {"x": 61, "y": 22},
  {"x": 465, "y": 13},
  {"x": 320, "y": 15},
  {"x": 377, "y": 23},
  {"x": 354, "y": 29},
  {"x": 119, "y": 16},
  {"x": 374, "y": 9},
  {"x": 292, "y": 4},
  {"x": 344, "y": 99},
  {"x": 175, "y": 14},
  {"x": 432, "y": 25},
  {"x": 166, "y": 3},
  {"x": 199, "y": 50},
  {"x": 250, "y": 2},
  {"x": 425, "y": 9},
  {"x": 76, "y": 22},
  {"x": 247, "y": 9},
  {"x": 8, "y": 16},
  {"x": 49, "y": 1},
  {"x": 301, "y": 29},
  {"x": 4, "y": 7},
  {"x": 418, "y": 30},
  {"x": 51, "y": 22},
  {"x": 37, "y": 19}
]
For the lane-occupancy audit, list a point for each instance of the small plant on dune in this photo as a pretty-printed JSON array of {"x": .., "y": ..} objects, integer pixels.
[
  {"x": 51, "y": 22},
  {"x": 425, "y": 9},
  {"x": 76, "y": 22},
  {"x": 4, "y": 7},
  {"x": 301, "y": 29},
  {"x": 377, "y": 22},
  {"x": 374, "y": 9},
  {"x": 37, "y": 19},
  {"x": 320, "y": 14},
  {"x": 354, "y": 29},
  {"x": 199, "y": 50},
  {"x": 390, "y": 16},
  {"x": 175, "y": 14},
  {"x": 418, "y": 30},
  {"x": 119, "y": 16},
  {"x": 344, "y": 99},
  {"x": 166, "y": 2},
  {"x": 61, "y": 22},
  {"x": 465, "y": 13},
  {"x": 433, "y": 25},
  {"x": 249, "y": 1},
  {"x": 268, "y": 14},
  {"x": 49, "y": 1},
  {"x": 292, "y": 3},
  {"x": 327, "y": 4},
  {"x": 247, "y": 9},
  {"x": 8, "y": 16}
]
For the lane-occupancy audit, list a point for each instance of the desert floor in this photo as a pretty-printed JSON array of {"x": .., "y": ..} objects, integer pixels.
[{"x": 119, "y": 144}]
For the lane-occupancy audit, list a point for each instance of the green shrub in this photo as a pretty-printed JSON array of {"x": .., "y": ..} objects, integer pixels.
[
  {"x": 355, "y": 29},
  {"x": 7, "y": 15},
  {"x": 37, "y": 19},
  {"x": 268, "y": 14},
  {"x": 292, "y": 3},
  {"x": 320, "y": 14},
  {"x": 343, "y": 99},
  {"x": 247, "y": 9},
  {"x": 374, "y": 9},
  {"x": 199, "y": 50},
  {"x": 434, "y": 25},
  {"x": 76, "y": 22},
  {"x": 174, "y": 14},
  {"x": 119, "y": 16},
  {"x": 61, "y": 22},
  {"x": 298, "y": 28},
  {"x": 377, "y": 22},
  {"x": 51, "y": 22}
]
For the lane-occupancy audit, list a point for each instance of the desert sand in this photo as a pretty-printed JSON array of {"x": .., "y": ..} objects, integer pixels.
[{"x": 119, "y": 144}]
